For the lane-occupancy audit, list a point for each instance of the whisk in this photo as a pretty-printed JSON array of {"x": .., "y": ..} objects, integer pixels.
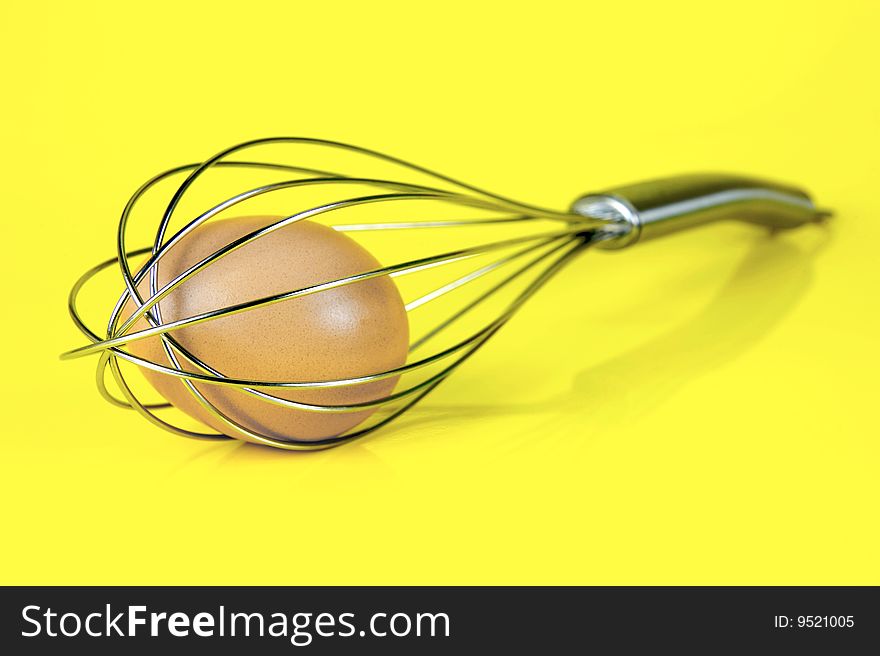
[{"x": 519, "y": 264}]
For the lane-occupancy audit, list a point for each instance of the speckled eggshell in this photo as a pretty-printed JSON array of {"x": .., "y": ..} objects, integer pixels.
[{"x": 350, "y": 331}]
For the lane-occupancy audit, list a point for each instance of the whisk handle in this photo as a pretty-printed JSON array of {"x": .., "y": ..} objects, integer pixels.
[{"x": 655, "y": 208}]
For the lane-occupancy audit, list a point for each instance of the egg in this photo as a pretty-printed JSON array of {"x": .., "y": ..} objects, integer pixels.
[{"x": 353, "y": 330}]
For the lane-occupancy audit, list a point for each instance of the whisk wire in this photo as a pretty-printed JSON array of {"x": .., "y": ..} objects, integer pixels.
[{"x": 410, "y": 266}]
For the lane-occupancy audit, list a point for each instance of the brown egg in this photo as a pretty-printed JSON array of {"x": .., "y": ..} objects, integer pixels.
[{"x": 350, "y": 331}]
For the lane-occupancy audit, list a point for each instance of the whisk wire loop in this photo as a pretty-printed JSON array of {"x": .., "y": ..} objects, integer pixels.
[{"x": 548, "y": 249}]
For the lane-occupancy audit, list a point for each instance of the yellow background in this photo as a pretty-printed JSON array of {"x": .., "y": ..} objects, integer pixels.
[{"x": 701, "y": 409}]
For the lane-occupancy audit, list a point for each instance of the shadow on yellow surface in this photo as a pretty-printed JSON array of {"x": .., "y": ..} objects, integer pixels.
[
  {"x": 766, "y": 286},
  {"x": 768, "y": 283}
]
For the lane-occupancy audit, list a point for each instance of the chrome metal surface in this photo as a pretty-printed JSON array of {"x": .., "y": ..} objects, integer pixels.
[{"x": 647, "y": 210}]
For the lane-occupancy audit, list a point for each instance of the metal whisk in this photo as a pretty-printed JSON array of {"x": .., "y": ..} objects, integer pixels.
[{"x": 520, "y": 265}]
